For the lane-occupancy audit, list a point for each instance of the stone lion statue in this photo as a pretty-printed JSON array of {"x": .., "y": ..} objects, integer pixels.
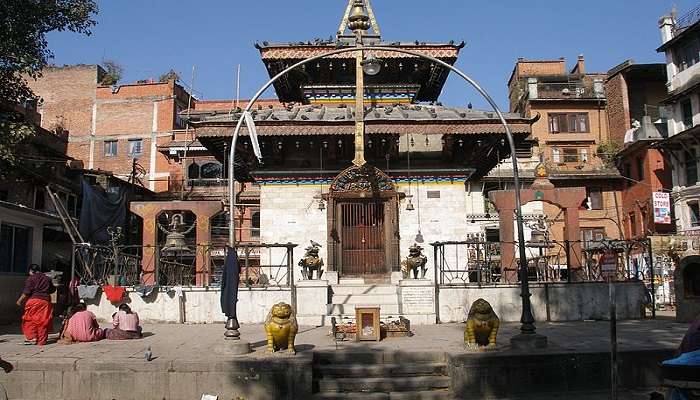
[
  {"x": 311, "y": 262},
  {"x": 414, "y": 262},
  {"x": 281, "y": 328},
  {"x": 482, "y": 325}
]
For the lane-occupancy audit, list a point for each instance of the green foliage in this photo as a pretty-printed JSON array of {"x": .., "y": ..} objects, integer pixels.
[
  {"x": 24, "y": 53},
  {"x": 607, "y": 152},
  {"x": 114, "y": 72},
  {"x": 14, "y": 130},
  {"x": 169, "y": 76}
]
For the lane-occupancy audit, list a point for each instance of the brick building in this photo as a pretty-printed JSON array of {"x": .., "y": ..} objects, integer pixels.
[
  {"x": 572, "y": 122},
  {"x": 637, "y": 122},
  {"x": 110, "y": 126}
]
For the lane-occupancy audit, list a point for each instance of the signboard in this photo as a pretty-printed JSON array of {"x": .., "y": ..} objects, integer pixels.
[
  {"x": 662, "y": 208},
  {"x": 608, "y": 264}
]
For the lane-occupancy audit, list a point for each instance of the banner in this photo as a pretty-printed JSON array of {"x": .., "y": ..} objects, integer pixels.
[{"x": 662, "y": 208}]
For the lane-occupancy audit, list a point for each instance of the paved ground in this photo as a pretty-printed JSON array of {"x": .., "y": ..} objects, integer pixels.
[{"x": 195, "y": 342}]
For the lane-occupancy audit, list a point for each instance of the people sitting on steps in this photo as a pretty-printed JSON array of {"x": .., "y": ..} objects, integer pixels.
[
  {"x": 126, "y": 325},
  {"x": 81, "y": 326}
]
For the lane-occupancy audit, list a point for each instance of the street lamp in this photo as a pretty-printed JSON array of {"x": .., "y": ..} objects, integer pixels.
[
  {"x": 359, "y": 22},
  {"x": 371, "y": 65}
]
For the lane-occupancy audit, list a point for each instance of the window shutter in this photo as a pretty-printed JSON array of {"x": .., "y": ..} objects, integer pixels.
[{"x": 556, "y": 155}]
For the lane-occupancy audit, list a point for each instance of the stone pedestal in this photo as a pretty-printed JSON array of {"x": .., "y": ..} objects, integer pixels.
[
  {"x": 417, "y": 300},
  {"x": 396, "y": 277},
  {"x": 528, "y": 341},
  {"x": 234, "y": 348},
  {"x": 312, "y": 302}
]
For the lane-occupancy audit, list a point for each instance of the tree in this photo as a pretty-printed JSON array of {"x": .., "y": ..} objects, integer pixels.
[
  {"x": 24, "y": 52},
  {"x": 169, "y": 76},
  {"x": 114, "y": 72}
]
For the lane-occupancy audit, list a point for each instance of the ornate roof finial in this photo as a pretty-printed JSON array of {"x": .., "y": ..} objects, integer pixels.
[{"x": 359, "y": 15}]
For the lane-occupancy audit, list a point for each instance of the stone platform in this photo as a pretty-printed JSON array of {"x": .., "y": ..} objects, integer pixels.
[{"x": 186, "y": 365}]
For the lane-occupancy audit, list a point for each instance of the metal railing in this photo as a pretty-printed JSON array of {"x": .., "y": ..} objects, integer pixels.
[
  {"x": 688, "y": 19},
  {"x": 567, "y": 90},
  {"x": 477, "y": 262},
  {"x": 261, "y": 265}
]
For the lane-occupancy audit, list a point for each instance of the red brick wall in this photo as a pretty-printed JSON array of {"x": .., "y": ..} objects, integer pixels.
[
  {"x": 637, "y": 195},
  {"x": 618, "y": 107},
  {"x": 68, "y": 94}
]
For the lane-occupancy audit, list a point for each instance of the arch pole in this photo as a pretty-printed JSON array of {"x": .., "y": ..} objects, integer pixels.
[{"x": 527, "y": 319}]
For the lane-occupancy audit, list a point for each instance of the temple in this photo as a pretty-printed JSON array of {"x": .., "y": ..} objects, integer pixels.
[{"x": 361, "y": 186}]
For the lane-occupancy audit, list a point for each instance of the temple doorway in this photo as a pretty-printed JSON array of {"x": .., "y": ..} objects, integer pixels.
[
  {"x": 363, "y": 238},
  {"x": 363, "y": 235}
]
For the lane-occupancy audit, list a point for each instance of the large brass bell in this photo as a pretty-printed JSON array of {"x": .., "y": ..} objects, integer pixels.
[
  {"x": 175, "y": 243},
  {"x": 175, "y": 236}
]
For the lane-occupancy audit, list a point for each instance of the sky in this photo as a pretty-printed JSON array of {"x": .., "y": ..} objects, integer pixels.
[{"x": 150, "y": 37}]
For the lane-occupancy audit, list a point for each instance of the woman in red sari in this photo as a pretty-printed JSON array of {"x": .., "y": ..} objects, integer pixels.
[{"x": 37, "y": 319}]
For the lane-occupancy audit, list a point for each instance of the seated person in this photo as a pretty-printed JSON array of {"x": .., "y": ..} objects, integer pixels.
[
  {"x": 82, "y": 326},
  {"x": 126, "y": 325}
]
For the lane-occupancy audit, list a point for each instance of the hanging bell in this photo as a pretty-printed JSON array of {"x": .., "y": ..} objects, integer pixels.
[
  {"x": 409, "y": 206},
  {"x": 175, "y": 243}
]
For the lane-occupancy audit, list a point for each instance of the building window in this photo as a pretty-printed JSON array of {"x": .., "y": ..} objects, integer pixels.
[
  {"x": 694, "y": 214},
  {"x": 633, "y": 224},
  {"x": 691, "y": 168},
  {"x": 135, "y": 147},
  {"x": 595, "y": 198},
  {"x": 255, "y": 224},
  {"x": 568, "y": 123},
  {"x": 570, "y": 155},
  {"x": 556, "y": 155},
  {"x": 640, "y": 169},
  {"x": 15, "y": 248},
  {"x": 591, "y": 235},
  {"x": 691, "y": 280},
  {"x": 687, "y": 114},
  {"x": 210, "y": 171},
  {"x": 110, "y": 148},
  {"x": 688, "y": 55}
]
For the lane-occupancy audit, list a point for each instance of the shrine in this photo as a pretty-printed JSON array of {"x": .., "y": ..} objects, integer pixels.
[{"x": 390, "y": 192}]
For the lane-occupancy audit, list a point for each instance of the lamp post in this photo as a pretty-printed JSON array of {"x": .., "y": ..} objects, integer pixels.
[{"x": 359, "y": 22}]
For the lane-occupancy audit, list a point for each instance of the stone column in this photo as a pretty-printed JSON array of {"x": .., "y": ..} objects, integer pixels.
[{"x": 509, "y": 271}]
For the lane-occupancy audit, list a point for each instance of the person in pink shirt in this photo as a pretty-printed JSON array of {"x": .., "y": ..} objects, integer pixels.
[
  {"x": 82, "y": 326},
  {"x": 126, "y": 325}
]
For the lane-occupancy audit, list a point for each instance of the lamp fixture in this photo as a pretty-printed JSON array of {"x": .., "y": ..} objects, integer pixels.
[{"x": 371, "y": 65}]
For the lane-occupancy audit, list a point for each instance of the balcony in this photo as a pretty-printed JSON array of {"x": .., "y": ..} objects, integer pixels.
[{"x": 564, "y": 91}]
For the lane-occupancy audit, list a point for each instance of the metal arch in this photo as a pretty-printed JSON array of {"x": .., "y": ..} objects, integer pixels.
[{"x": 527, "y": 319}]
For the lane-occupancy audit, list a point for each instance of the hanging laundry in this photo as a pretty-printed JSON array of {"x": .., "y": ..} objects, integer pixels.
[
  {"x": 86, "y": 292},
  {"x": 73, "y": 295},
  {"x": 114, "y": 294},
  {"x": 144, "y": 290}
]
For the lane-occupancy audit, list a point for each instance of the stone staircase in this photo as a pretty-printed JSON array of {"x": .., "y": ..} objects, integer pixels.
[
  {"x": 347, "y": 296},
  {"x": 363, "y": 375}
]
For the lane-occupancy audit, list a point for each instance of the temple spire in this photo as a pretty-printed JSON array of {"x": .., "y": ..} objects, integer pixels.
[{"x": 345, "y": 33}]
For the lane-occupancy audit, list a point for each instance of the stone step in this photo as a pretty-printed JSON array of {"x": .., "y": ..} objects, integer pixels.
[
  {"x": 390, "y": 384},
  {"x": 365, "y": 299},
  {"x": 422, "y": 395},
  {"x": 380, "y": 370},
  {"x": 338, "y": 309},
  {"x": 364, "y": 289},
  {"x": 323, "y": 357}
]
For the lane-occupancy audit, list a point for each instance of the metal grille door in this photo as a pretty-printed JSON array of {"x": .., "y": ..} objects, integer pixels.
[{"x": 363, "y": 247}]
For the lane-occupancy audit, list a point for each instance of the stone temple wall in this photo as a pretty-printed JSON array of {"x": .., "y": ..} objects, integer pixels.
[{"x": 289, "y": 213}]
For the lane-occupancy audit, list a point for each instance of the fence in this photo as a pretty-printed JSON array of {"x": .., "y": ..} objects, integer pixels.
[
  {"x": 478, "y": 262},
  {"x": 96, "y": 264}
]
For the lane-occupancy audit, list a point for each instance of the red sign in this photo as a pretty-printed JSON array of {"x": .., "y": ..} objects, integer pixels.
[{"x": 608, "y": 263}]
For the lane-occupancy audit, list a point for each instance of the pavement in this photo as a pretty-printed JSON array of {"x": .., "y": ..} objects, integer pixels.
[{"x": 195, "y": 342}]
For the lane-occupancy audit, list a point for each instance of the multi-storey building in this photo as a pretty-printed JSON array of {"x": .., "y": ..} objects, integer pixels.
[
  {"x": 570, "y": 108},
  {"x": 680, "y": 39},
  {"x": 111, "y": 126},
  {"x": 637, "y": 121}
]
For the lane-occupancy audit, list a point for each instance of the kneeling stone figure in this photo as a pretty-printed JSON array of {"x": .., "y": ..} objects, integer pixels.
[
  {"x": 482, "y": 325},
  {"x": 281, "y": 328}
]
